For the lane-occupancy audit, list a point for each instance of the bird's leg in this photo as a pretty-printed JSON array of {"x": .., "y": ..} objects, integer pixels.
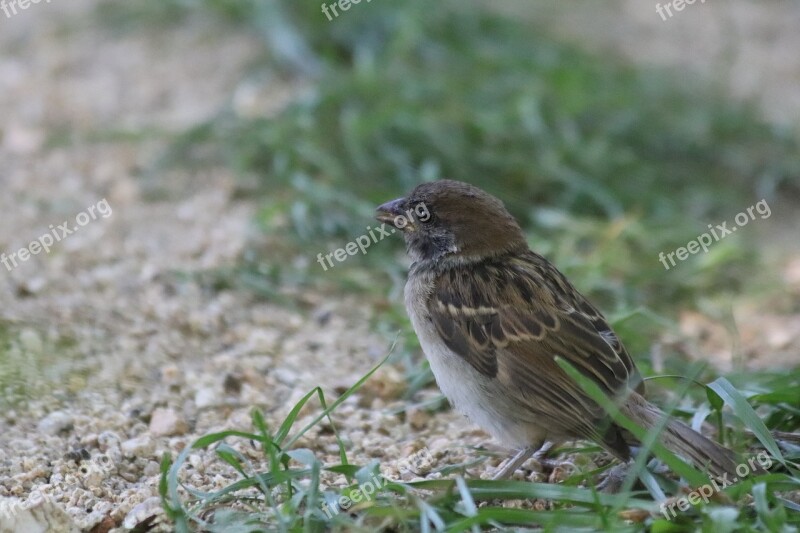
[
  {"x": 515, "y": 461},
  {"x": 611, "y": 480}
]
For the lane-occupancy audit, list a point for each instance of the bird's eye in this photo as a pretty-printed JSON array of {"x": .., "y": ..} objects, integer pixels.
[{"x": 422, "y": 212}]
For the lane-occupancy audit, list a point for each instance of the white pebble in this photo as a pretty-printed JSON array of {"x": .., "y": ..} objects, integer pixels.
[{"x": 55, "y": 423}]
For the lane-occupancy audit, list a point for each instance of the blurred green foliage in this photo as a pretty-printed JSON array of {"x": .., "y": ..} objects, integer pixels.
[{"x": 606, "y": 165}]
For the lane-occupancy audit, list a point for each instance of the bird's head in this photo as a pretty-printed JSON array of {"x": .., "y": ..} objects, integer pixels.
[{"x": 448, "y": 218}]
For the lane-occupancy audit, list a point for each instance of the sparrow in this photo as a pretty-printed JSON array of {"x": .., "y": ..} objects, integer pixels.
[{"x": 492, "y": 316}]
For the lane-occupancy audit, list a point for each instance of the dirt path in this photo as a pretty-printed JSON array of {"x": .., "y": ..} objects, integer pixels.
[
  {"x": 139, "y": 357},
  {"x": 115, "y": 353}
]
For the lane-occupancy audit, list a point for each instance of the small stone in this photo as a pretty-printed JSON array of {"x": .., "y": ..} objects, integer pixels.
[
  {"x": 55, "y": 423},
  {"x": 233, "y": 384},
  {"x": 106, "y": 463},
  {"x": 93, "y": 475},
  {"x": 417, "y": 418},
  {"x": 151, "y": 469},
  {"x": 107, "y": 441},
  {"x": 167, "y": 422},
  {"x": 387, "y": 384},
  {"x": 89, "y": 440},
  {"x": 171, "y": 375},
  {"x": 206, "y": 397},
  {"x": 177, "y": 444},
  {"x": 37, "y": 514},
  {"x": 137, "y": 447},
  {"x": 285, "y": 376},
  {"x": 104, "y": 526},
  {"x": 440, "y": 445},
  {"x": 196, "y": 461},
  {"x": 263, "y": 341},
  {"x": 143, "y": 513},
  {"x": 78, "y": 455},
  {"x": 560, "y": 473}
]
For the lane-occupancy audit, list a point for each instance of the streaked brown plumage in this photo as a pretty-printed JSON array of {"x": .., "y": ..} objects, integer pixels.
[{"x": 492, "y": 315}]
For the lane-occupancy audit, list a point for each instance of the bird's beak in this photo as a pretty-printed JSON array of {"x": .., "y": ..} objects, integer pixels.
[{"x": 389, "y": 211}]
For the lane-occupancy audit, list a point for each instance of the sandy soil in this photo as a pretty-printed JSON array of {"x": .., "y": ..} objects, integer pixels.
[{"x": 116, "y": 353}]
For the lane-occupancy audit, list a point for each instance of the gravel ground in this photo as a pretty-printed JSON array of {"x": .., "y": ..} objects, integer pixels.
[{"x": 116, "y": 355}]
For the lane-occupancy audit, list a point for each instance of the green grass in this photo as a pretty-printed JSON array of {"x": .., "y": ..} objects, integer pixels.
[
  {"x": 282, "y": 492},
  {"x": 605, "y": 165}
]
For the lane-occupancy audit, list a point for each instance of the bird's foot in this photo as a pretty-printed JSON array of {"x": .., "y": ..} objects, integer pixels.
[
  {"x": 511, "y": 464},
  {"x": 612, "y": 479}
]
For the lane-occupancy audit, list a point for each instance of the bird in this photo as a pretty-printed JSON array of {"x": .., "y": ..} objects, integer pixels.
[{"x": 493, "y": 317}]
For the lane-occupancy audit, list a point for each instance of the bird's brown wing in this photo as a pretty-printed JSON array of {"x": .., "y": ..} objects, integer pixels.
[{"x": 510, "y": 320}]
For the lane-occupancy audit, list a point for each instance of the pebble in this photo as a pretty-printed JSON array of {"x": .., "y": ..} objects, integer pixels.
[
  {"x": 108, "y": 441},
  {"x": 151, "y": 469},
  {"x": 138, "y": 447},
  {"x": 285, "y": 376},
  {"x": 143, "y": 512},
  {"x": 206, "y": 397},
  {"x": 171, "y": 375},
  {"x": 417, "y": 418},
  {"x": 36, "y": 514},
  {"x": 55, "y": 423},
  {"x": 167, "y": 422}
]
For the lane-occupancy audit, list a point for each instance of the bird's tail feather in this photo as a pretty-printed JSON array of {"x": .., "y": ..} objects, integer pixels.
[{"x": 682, "y": 440}]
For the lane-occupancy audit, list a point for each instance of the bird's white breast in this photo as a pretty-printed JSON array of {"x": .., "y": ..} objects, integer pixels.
[{"x": 478, "y": 397}]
